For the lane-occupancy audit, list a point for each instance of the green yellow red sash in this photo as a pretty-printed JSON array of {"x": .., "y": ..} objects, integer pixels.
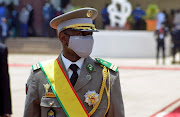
[{"x": 63, "y": 89}]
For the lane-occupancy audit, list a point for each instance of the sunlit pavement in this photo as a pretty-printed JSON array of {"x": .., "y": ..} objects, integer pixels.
[{"x": 146, "y": 87}]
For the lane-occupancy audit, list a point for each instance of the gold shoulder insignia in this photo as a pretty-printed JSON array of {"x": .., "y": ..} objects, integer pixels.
[
  {"x": 35, "y": 67},
  {"x": 107, "y": 64}
]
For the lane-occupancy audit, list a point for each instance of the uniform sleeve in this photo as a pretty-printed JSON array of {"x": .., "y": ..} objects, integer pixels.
[
  {"x": 32, "y": 103},
  {"x": 116, "y": 106}
]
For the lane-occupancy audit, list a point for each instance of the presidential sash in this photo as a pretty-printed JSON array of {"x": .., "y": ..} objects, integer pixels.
[{"x": 63, "y": 89}]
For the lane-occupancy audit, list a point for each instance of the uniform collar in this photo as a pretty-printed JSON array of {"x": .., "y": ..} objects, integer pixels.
[{"x": 67, "y": 62}]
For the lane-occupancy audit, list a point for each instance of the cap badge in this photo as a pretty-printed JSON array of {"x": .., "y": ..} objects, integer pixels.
[
  {"x": 91, "y": 97},
  {"x": 89, "y": 13}
]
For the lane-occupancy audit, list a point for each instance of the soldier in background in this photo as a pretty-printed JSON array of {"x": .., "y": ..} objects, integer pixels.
[
  {"x": 161, "y": 33},
  {"x": 31, "y": 29},
  {"x": 105, "y": 17},
  {"x": 176, "y": 35},
  {"x": 175, "y": 44}
]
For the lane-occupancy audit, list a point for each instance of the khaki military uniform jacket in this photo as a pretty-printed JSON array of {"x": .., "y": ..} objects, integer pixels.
[{"x": 37, "y": 105}]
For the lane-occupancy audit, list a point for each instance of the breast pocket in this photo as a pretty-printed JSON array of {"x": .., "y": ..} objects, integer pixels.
[
  {"x": 51, "y": 103},
  {"x": 100, "y": 111}
]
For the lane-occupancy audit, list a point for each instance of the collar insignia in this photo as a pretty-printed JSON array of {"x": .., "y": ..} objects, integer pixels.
[{"x": 90, "y": 68}]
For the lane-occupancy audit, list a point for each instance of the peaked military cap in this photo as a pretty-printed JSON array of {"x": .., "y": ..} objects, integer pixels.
[{"x": 80, "y": 19}]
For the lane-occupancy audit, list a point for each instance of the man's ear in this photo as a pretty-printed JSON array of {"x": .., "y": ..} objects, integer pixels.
[{"x": 63, "y": 38}]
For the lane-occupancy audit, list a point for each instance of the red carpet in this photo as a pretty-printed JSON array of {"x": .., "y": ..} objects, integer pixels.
[{"x": 172, "y": 110}]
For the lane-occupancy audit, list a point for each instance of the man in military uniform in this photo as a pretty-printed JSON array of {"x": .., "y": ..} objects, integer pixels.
[{"x": 74, "y": 84}]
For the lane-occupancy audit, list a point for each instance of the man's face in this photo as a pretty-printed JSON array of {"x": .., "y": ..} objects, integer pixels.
[
  {"x": 76, "y": 43},
  {"x": 64, "y": 36}
]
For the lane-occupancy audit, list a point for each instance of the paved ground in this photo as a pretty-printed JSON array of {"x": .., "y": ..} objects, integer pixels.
[{"x": 146, "y": 87}]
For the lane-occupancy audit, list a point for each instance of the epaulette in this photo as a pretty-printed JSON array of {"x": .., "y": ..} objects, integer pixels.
[
  {"x": 107, "y": 64},
  {"x": 35, "y": 67}
]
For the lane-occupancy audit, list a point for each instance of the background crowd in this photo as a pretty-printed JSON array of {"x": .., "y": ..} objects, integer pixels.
[{"x": 19, "y": 22}]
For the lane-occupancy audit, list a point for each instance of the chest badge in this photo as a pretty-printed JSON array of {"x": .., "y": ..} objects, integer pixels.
[
  {"x": 47, "y": 93},
  {"x": 91, "y": 98},
  {"x": 46, "y": 87},
  {"x": 88, "y": 77}
]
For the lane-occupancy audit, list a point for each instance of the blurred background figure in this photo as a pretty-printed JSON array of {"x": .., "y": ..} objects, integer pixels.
[
  {"x": 65, "y": 3},
  {"x": 2, "y": 10},
  {"x": 13, "y": 22},
  {"x": 105, "y": 17},
  {"x": 52, "y": 14},
  {"x": 138, "y": 15},
  {"x": 161, "y": 33},
  {"x": 166, "y": 22},
  {"x": 175, "y": 46},
  {"x": 5, "y": 95},
  {"x": 46, "y": 19},
  {"x": 171, "y": 19},
  {"x": 161, "y": 18},
  {"x": 48, "y": 14},
  {"x": 31, "y": 29},
  {"x": 176, "y": 35},
  {"x": 23, "y": 18},
  {"x": 59, "y": 11},
  {"x": 176, "y": 21},
  {"x": 3, "y": 29}
]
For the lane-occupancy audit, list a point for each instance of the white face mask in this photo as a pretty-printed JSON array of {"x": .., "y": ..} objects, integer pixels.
[{"x": 81, "y": 45}]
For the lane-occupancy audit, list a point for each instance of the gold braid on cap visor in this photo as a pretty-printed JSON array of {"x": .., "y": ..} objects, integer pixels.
[{"x": 84, "y": 26}]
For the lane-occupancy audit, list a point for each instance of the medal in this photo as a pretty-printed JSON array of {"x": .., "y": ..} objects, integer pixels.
[
  {"x": 91, "y": 98},
  {"x": 51, "y": 112}
]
